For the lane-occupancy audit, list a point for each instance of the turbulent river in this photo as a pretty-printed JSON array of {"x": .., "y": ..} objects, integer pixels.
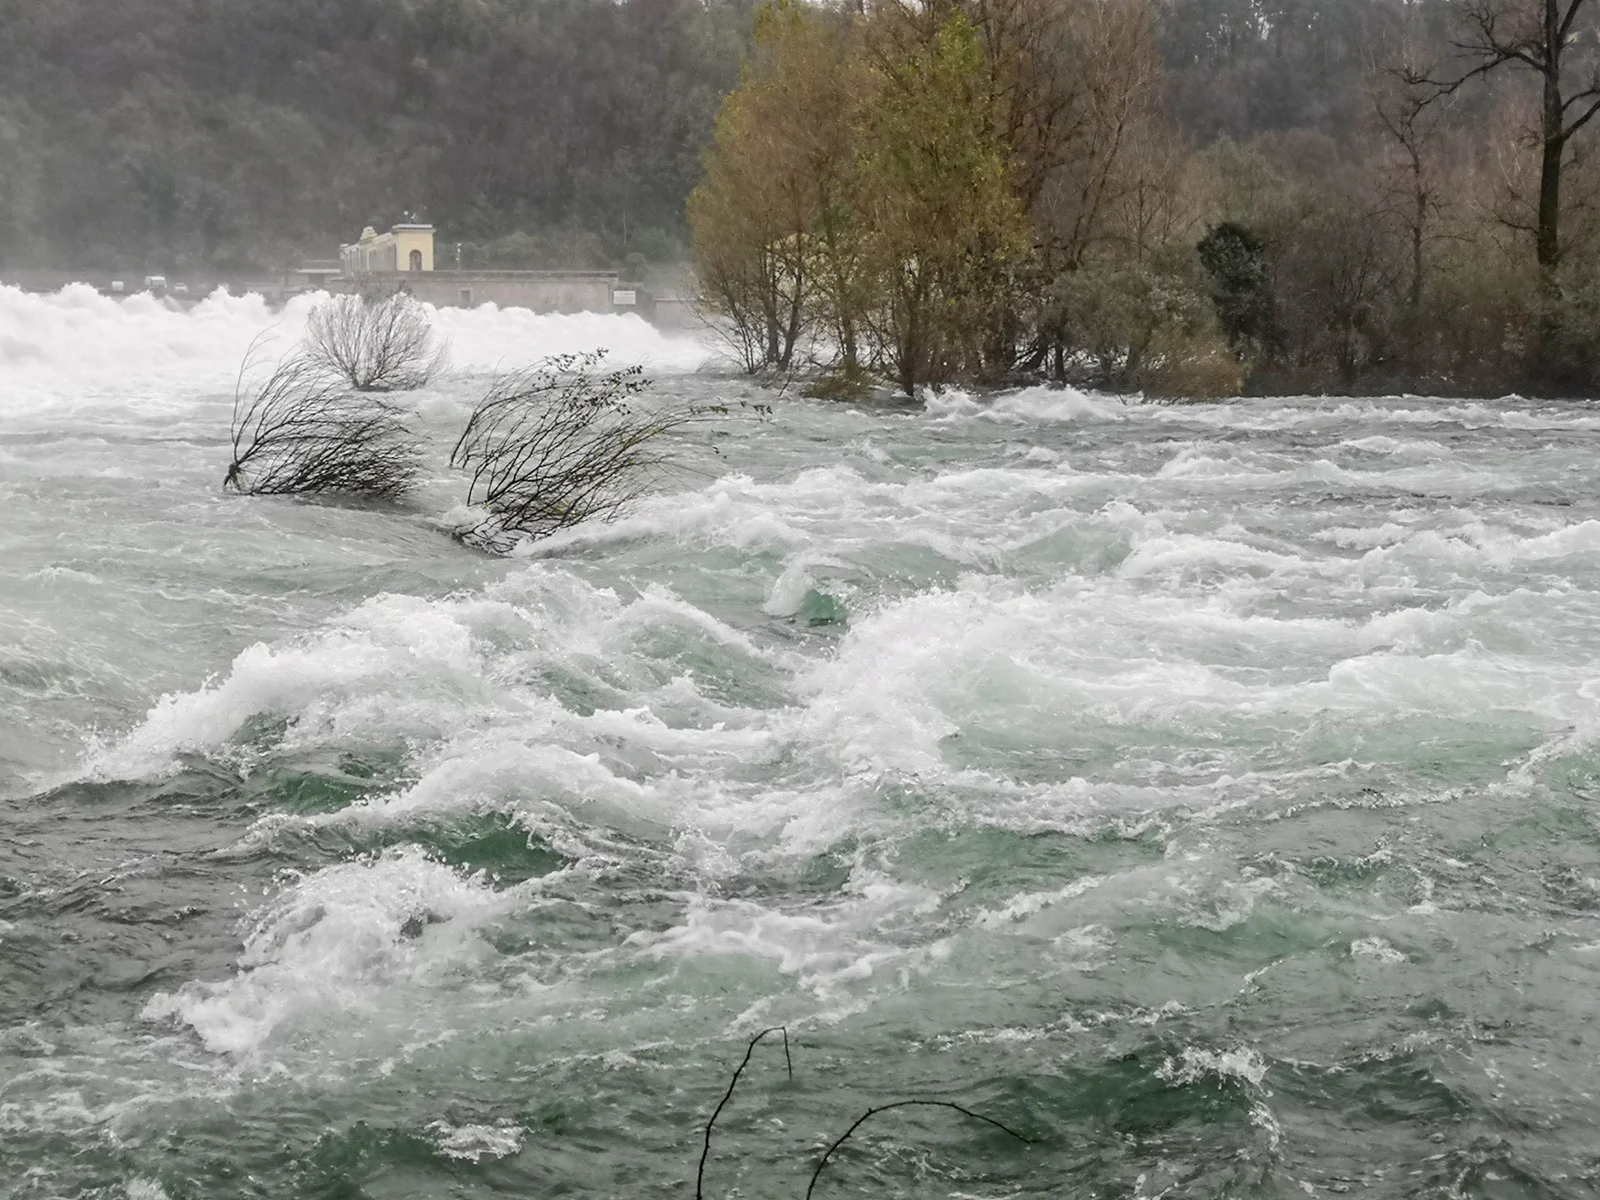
[{"x": 1206, "y": 793}]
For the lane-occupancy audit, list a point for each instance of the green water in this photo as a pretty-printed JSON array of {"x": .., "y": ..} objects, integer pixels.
[{"x": 1206, "y": 794}]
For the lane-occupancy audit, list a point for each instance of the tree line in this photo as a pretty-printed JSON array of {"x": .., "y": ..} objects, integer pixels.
[
  {"x": 237, "y": 136},
  {"x": 1173, "y": 195},
  {"x": 1187, "y": 198}
]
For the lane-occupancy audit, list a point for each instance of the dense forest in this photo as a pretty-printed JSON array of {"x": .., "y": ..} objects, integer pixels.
[
  {"x": 1183, "y": 196},
  {"x": 235, "y": 134},
  {"x": 1184, "y": 199}
]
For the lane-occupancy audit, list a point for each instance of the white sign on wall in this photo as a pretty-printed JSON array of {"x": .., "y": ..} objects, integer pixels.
[{"x": 624, "y": 296}]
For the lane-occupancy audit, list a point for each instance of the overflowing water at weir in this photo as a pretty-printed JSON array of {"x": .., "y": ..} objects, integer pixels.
[{"x": 1205, "y": 792}]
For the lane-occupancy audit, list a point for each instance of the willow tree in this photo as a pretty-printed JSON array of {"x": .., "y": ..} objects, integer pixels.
[
  {"x": 771, "y": 221},
  {"x": 942, "y": 225}
]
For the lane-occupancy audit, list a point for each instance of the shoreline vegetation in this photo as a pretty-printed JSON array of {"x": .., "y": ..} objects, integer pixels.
[
  {"x": 1176, "y": 198},
  {"x": 992, "y": 192}
]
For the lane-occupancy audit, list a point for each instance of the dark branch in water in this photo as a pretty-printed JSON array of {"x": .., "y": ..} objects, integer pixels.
[
  {"x": 302, "y": 432},
  {"x": 556, "y": 444},
  {"x": 700, "y": 1175},
  {"x": 882, "y": 1108}
]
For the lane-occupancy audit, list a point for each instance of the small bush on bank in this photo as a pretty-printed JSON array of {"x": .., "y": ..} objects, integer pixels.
[{"x": 846, "y": 382}]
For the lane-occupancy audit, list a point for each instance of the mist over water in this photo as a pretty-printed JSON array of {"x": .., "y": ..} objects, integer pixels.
[{"x": 1205, "y": 792}]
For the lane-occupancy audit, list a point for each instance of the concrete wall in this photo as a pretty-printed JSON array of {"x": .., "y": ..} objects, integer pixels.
[
  {"x": 541, "y": 291},
  {"x": 670, "y": 310}
]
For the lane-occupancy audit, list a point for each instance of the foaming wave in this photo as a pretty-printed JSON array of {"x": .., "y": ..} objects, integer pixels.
[
  {"x": 1476, "y": 545},
  {"x": 957, "y": 685},
  {"x": 396, "y": 666},
  {"x": 825, "y": 948},
  {"x": 473, "y": 1143},
  {"x": 1185, "y": 553},
  {"x": 403, "y": 669},
  {"x": 1039, "y": 405},
  {"x": 1052, "y": 405},
  {"x": 489, "y": 338},
  {"x": 336, "y": 943},
  {"x": 580, "y": 781},
  {"x": 1242, "y": 1063},
  {"x": 77, "y": 340}
]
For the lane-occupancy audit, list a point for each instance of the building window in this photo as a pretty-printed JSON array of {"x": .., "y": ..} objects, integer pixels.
[
  {"x": 466, "y": 297},
  {"x": 416, "y": 260}
]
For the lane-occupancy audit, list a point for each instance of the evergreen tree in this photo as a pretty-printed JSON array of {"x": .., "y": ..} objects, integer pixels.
[{"x": 1235, "y": 261}]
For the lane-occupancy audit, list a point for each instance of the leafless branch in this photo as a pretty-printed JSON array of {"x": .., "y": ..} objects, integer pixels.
[
  {"x": 1489, "y": 39},
  {"x": 700, "y": 1175},
  {"x": 1574, "y": 7},
  {"x": 1489, "y": 43},
  {"x": 300, "y": 432},
  {"x": 556, "y": 444},
  {"x": 381, "y": 344},
  {"x": 883, "y": 1108},
  {"x": 1593, "y": 96}
]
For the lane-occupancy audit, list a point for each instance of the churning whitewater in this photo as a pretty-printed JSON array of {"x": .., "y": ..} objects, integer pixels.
[{"x": 1206, "y": 793}]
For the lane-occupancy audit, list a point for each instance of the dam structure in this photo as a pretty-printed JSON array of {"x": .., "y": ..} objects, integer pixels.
[{"x": 403, "y": 259}]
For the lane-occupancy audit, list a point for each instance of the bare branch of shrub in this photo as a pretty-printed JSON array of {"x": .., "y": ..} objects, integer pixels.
[
  {"x": 883, "y": 1108},
  {"x": 301, "y": 432},
  {"x": 559, "y": 443},
  {"x": 375, "y": 344},
  {"x": 700, "y": 1175}
]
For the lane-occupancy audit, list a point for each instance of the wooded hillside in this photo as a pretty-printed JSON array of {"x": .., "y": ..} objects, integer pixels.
[
  {"x": 171, "y": 133},
  {"x": 161, "y": 134}
]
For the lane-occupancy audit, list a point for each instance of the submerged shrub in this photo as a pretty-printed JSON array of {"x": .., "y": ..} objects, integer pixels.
[
  {"x": 374, "y": 344},
  {"x": 302, "y": 432},
  {"x": 556, "y": 444}
]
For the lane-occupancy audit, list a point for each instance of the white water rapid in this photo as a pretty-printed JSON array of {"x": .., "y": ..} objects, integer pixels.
[{"x": 1206, "y": 792}]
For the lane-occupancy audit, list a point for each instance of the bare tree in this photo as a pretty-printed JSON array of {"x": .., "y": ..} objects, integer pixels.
[
  {"x": 559, "y": 443},
  {"x": 1542, "y": 36},
  {"x": 382, "y": 344},
  {"x": 1117, "y": 106},
  {"x": 1410, "y": 183},
  {"x": 301, "y": 432}
]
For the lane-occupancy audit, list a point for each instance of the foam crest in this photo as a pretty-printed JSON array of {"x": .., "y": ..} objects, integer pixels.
[
  {"x": 337, "y": 944},
  {"x": 79, "y": 341},
  {"x": 939, "y": 685},
  {"x": 1376, "y": 949},
  {"x": 1186, "y": 553},
  {"x": 552, "y": 790},
  {"x": 1032, "y": 405},
  {"x": 395, "y": 666},
  {"x": 826, "y": 948},
  {"x": 729, "y": 513},
  {"x": 1476, "y": 544},
  {"x": 474, "y": 1143},
  {"x": 1193, "y": 1064},
  {"x": 485, "y": 338},
  {"x": 401, "y": 668}
]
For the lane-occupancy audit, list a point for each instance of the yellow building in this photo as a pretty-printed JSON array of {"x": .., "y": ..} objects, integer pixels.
[
  {"x": 406, "y": 247},
  {"x": 402, "y": 260}
]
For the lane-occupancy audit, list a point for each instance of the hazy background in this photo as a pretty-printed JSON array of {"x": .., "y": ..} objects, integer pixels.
[{"x": 234, "y": 135}]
